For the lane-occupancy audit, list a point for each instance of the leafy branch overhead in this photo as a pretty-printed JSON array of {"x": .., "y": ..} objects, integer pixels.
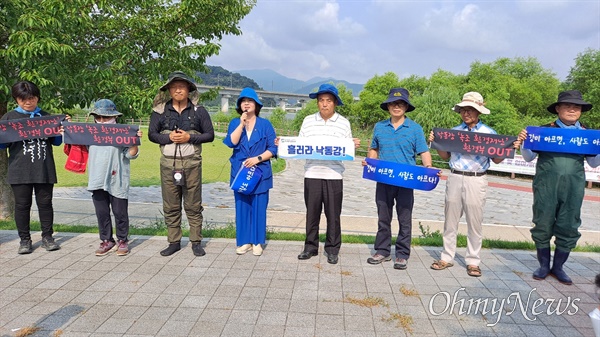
[{"x": 82, "y": 50}]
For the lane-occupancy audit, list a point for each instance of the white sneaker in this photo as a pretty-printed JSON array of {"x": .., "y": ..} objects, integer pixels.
[
  {"x": 243, "y": 249},
  {"x": 257, "y": 250}
]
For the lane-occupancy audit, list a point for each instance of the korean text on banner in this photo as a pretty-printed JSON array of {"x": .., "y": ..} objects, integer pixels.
[
  {"x": 586, "y": 142},
  {"x": 16, "y": 130},
  {"x": 246, "y": 179},
  {"x": 476, "y": 143},
  {"x": 322, "y": 148},
  {"x": 408, "y": 176},
  {"x": 101, "y": 134}
]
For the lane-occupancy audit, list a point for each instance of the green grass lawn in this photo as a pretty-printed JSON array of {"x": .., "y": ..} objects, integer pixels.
[{"x": 145, "y": 169}]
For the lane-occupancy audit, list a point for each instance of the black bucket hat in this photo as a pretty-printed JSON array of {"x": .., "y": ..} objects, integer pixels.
[
  {"x": 397, "y": 94},
  {"x": 179, "y": 76},
  {"x": 570, "y": 96}
]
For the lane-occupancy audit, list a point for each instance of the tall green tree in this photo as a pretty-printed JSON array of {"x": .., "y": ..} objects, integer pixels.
[
  {"x": 367, "y": 112},
  {"x": 80, "y": 50},
  {"x": 434, "y": 108},
  {"x": 522, "y": 82},
  {"x": 585, "y": 77},
  {"x": 435, "y": 100},
  {"x": 311, "y": 107}
]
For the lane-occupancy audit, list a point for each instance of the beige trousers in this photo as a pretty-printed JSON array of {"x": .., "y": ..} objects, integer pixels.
[{"x": 466, "y": 195}]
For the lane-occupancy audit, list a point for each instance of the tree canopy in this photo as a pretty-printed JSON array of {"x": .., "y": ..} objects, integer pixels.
[
  {"x": 517, "y": 91},
  {"x": 585, "y": 77},
  {"x": 78, "y": 51}
]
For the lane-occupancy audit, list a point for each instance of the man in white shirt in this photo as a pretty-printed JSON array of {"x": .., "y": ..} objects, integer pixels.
[{"x": 323, "y": 184}]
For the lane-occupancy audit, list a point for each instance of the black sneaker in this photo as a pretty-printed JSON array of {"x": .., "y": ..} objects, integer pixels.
[
  {"x": 49, "y": 244},
  {"x": 25, "y": 247},
  {"x": 173, "y": 248},
  {"x": 197, "y": 249},
  {"x": 400, "y": 263},
  {"x": 332, "y": 258}
]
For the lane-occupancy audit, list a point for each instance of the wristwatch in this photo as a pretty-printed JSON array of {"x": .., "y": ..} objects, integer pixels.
[{"x": 259, "y": 158}]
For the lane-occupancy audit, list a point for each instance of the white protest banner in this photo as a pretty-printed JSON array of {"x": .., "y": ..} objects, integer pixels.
[{"x": 322, "y": 148}]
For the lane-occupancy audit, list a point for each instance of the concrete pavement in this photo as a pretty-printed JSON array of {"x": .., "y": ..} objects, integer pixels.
[{"x": 71, "y": 292}]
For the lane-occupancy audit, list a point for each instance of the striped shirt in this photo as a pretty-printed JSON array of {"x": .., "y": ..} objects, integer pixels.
[
  {"x": 470, "y": 162},
  {"x": 336, "y": 126}
]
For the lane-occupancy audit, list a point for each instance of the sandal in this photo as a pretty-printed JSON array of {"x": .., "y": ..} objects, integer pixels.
[
  {"x": 441, "y": 264},
  {"x": 474, "y": 271}
]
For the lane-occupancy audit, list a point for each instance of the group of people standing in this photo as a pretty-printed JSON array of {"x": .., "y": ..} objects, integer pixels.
[{"x": 180, "y": 127}]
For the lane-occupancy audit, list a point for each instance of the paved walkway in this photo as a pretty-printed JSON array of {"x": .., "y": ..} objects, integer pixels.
[{"x": 71, "y": 292}]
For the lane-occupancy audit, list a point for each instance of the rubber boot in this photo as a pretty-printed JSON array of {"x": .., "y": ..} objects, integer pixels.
[
  {"x": 560, "y": 257},
  {"x": 543, "y": 256}
]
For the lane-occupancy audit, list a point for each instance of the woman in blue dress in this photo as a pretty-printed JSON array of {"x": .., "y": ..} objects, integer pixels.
[{"x": 252, "y": 139}]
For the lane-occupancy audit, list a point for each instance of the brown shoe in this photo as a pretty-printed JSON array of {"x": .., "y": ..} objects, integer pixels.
[
  {"x": 105, "y": 247},
  {"x": 122, "y": 248}
]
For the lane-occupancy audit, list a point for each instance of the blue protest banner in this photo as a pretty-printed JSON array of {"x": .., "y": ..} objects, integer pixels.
[
  {"x": 246, "y": 179},
  {"x": 408, "y": 176},
  {"x": 545, "y": 139}
]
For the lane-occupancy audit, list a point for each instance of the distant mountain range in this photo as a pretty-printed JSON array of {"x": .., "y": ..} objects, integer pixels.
[
  {"x": 273, "y": 81},
  {"x": 267, "y": 79}
]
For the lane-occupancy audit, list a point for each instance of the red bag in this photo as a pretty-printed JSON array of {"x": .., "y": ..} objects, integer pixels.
[{"x": 77, "y": 157}]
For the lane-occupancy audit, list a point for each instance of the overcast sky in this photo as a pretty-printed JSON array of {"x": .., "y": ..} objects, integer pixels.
[{"x": 355, "y": 40}]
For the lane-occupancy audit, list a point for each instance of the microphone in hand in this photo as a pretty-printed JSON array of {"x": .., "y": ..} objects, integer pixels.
[{"x": 245, "y": 115}]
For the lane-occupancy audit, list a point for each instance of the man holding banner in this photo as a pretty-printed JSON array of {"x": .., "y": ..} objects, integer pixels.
[
  {"x": 466, "y": 186},
  {"x": 323, "y": 185},
  {"x": 559, "y": 181},
  {"x": 397, "y": 139}
]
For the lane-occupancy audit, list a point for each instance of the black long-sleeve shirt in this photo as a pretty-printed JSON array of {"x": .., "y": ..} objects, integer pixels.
[{"x": 191, "y": 118}]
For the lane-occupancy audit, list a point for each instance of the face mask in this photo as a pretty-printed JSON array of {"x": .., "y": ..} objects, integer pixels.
[{"x": 109, "y": 121}]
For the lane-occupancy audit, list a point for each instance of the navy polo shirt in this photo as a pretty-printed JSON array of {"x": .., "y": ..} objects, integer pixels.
[{"x": 399, "y": 145}]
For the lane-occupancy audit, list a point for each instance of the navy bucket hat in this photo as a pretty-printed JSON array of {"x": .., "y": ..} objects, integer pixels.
[
  {"x": 248, "y": 93},
  {"x": 570, "y": 96},
  {"x": 327, "y": 89},
  {"x": 397, "y": 94},
  {"x": 106, "y": 108}
]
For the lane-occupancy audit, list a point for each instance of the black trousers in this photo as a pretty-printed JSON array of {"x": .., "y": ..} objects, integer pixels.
[
  {"x": 103, "y": 202},
  {"x": 319, "y": 193},
  {"x": 43, "y": 199},
  {"x": 385, "y": 197}
]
